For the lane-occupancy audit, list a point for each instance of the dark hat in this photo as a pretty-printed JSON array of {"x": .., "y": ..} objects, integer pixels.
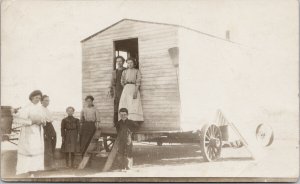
[
  {"x": 89, "y": 97},
  {"x": 35, "y": 93},
  {"x": 123, "y": 110}
]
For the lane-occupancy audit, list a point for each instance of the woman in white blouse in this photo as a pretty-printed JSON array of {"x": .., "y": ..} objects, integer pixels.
[
  {"x": 130, "y": 98},
  {"x": 31, "y": 140}
]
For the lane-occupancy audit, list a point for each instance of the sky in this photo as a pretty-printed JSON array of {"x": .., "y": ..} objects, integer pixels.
[{"x": 40, "y": 40}]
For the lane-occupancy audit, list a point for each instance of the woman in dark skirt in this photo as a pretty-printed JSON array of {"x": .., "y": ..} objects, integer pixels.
[
  {"x": 70, "y": 135},
  {"x": 90, "y": 119}
]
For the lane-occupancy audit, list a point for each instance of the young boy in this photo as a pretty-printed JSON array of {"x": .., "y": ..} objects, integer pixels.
[
  {"x": 125, "y": 127},
  {"x": 70, "y": 135}
]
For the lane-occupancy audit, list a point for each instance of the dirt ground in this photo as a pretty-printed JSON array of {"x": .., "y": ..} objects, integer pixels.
[{"x": 280, "y": 160}]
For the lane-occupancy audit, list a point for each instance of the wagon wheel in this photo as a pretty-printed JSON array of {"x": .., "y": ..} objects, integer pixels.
[
  {"x": 210, "y": 142},
  {"x": 108, "y": 142},
  {"x": 264, "y": 134}
]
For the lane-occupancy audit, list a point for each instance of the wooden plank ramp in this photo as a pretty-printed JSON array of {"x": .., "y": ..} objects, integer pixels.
[
  {"x": 112, "y": 155},
  {"x": 90, "y": 149}
]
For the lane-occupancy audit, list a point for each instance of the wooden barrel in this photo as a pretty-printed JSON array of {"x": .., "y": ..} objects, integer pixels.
[
  {"x": 224, "y": 132},
  {"x": 6, "y": 120}
]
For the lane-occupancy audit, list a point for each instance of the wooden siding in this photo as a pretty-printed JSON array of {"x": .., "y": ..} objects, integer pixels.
[{"x": 159, "y": 89}]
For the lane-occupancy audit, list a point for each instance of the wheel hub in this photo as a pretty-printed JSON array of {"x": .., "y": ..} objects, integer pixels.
[{"x": 214, "y": 142}]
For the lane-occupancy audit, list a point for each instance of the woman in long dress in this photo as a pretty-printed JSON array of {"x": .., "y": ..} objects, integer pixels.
[
  {"x": 130, "y": 98},
  {"x": 90, "y": 120},
  {"x": 31, "y": 140}
]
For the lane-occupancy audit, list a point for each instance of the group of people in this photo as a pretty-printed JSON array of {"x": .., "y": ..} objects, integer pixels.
[{"x": 37, "y": 141}]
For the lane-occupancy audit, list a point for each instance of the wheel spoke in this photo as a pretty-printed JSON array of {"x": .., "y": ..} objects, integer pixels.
[
  {"x": 209, "y": 152},
  {"x": 208, "y": 134},
  {"x": 213, "y": 154},
  {"x": 213, "y": 130},
  {"x": 210, "y": 131},
  {"x": 207, "y": 137},
  {"x": 110, "y": 144}
]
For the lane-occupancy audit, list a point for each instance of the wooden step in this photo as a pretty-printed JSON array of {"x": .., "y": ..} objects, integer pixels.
[
  {"x": 91, "y": 149},
  {"x": 111, "y": 157}
]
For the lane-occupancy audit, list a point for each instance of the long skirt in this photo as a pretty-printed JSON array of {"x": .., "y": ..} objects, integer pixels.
[
  {"x": 30, "y": 149},
  {"x": 134, "y": 106},
  {"x": 87, "y": 132},
  {"x": 70, "y": 141},
  {"x": 50, "y": 145}
]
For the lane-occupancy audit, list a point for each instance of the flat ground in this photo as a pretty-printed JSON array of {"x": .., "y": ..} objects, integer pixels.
[{"x": 280, "y": 160}]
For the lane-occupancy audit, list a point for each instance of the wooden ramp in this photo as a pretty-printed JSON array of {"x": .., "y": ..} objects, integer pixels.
[
  {"x": 221, "y": 120},
  {"x": 111, "y": 157},
  {"x": 92, "y": 148}
]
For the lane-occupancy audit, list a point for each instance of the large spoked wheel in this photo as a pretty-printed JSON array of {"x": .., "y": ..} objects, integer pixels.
[
  {"x": 210, "y": 142},
  {"x": 108, "y": 142}
]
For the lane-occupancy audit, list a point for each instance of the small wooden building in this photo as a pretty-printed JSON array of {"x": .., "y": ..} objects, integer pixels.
[{"x": 187, "y": 75}]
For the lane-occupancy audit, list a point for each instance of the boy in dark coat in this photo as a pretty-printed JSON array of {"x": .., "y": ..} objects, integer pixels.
[
  {"x": 70, "y": 135},
  {"x": 125, "y": 128}
]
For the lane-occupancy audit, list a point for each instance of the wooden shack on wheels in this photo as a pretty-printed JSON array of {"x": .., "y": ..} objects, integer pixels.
[{"x": 187, "y": 76}]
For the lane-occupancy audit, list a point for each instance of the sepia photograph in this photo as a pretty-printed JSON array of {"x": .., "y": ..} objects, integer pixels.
[{"x": 149, "y": 91}]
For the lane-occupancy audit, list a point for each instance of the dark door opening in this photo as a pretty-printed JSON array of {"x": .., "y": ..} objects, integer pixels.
[{"x": 127, "y": 48}]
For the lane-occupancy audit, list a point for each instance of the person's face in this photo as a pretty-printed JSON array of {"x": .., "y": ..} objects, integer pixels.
[
  {"x": 70, "y": 112},
  {"x": 119, "y": 62},
  {"x": 36, "y": 99},
  {"x": 89, "y": 102},
  {"x": 45, "y": 102},
  {"x": 123, "y": 115},
  {"x": 130, "y": 64}
]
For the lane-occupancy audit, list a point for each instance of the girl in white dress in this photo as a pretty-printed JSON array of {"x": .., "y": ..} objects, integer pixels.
[
  {"x": 131, "y": 98},
  {"x": 31, "y": 140}
]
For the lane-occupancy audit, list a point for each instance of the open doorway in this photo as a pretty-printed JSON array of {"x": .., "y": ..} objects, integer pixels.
[{"x": 127, "y": 48}]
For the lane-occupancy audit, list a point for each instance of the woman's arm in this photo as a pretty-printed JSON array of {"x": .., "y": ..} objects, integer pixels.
[
  {"x": 22, "y": 118},
  {"x": 78, "y": 129},
  {"x": 112, "y": 84},
  {"x": 98, "y": 119},
  {"x": 62, "y": 130},
  {"x": 123, "y": 78},
  {"x": 82, "y": 116},
  {"x": 137, "y": 83}
]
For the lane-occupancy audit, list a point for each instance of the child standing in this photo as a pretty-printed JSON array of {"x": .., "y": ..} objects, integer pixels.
[
  {"x": 70, "y": 135},
  {"x": 125, "y": 128}
]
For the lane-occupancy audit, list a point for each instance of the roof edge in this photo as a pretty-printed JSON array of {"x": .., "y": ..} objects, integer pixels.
[{"x": 167, "y": 24}]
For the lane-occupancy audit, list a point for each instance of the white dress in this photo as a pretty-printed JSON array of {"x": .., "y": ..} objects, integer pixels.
[
  {"x": 130, "y": 79},
  {"x": 31, "y": 140}
]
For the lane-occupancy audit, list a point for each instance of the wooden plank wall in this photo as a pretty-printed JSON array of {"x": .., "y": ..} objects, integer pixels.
[{"x": 159, "y": 90}]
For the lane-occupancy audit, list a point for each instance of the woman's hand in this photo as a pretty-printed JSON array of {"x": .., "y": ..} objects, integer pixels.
[
  {"x": 110, "y": 93},
  {"x": 97, "y": 124},
  {"x": 135, "y": 95}
]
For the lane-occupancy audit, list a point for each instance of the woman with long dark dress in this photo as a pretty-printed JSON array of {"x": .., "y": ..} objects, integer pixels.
[{"x": 90, "y": 119}]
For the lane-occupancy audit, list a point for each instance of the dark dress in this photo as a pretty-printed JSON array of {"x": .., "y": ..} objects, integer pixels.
[
  {"x": 116, "y": 89},
  {"x": 69, "y": 131},
  {"x": 50, "y": 144},
  {"x": 125, "y": 130},
  {"x": 89, "y": 116}
]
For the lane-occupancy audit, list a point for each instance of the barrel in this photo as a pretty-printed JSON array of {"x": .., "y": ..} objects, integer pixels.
[
  {"x": 6, "y": 120},
  {"x": 224, "y": 132}
]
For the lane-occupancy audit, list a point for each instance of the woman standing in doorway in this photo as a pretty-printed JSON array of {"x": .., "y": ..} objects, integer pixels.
[
  {"x": 90, "y": 119},
  {"x": 130, "y": 98},
  {"x": 31, "y": 140}
]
